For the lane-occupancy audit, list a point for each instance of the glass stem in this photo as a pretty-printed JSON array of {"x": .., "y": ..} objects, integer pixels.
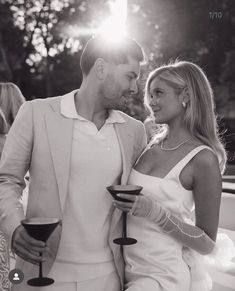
[
  {"x": 40, "y": 268},
  {"x": 124, "y": 224}
]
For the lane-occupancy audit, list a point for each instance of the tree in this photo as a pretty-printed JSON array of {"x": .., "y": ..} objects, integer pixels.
[
  {"x": 11, "y": 45},
  {"x": 41, "y": 41}
]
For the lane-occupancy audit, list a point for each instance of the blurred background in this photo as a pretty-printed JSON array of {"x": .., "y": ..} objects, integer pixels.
[{"x": 41, "y": 43}]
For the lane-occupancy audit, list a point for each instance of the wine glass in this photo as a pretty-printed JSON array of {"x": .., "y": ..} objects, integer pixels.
[
  {"x": 126, "y": 189},
  {"x": 40, "y": 228}
]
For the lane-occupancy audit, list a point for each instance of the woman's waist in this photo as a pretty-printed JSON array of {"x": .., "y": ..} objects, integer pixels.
[
  {"x": 151, "y": 239},
  {"x": 163, "y": 254}
]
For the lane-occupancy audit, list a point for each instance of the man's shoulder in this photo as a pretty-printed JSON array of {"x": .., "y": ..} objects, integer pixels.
[
  {"x": 40, "y": 106},
  {"x": 45, "y": 101},
  {"x": 50, "y": 101},
  {"x": 138, "y": 129},
  {"x": 129, "y": 119}
]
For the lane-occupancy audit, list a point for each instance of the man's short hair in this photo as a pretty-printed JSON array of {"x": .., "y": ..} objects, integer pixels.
[{"x": 117, "y": 53}]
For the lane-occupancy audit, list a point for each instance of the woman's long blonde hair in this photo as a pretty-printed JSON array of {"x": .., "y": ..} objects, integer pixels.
[
  {"x": 11, "y": 99},
  {"x": 200, "y": 117},
  {"x": 3, "y": 123}
]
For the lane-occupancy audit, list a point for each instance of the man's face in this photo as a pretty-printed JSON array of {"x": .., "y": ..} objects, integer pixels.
[{"x": 119, "y": 84}]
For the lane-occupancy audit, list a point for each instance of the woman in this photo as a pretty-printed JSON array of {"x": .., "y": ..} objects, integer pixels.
[
  {"x": 11, "y": 99},
  {"x": 180, "y": 172},
  {"x": 4, "y": 252}
]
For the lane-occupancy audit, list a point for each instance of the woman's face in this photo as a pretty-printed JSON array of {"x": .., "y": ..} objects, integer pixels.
[{"x": 165, "y": 102}]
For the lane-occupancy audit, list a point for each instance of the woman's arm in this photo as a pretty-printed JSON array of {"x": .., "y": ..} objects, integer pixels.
[{"x": 207, "y": 191}]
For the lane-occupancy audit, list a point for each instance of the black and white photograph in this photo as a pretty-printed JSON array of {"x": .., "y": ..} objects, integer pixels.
[{"x": 117, "y": 145}]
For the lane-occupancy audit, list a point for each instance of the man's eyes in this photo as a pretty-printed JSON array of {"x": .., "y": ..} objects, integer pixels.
[{"x": 131, "y": 77}]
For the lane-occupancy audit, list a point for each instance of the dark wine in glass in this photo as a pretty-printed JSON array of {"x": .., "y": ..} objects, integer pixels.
[
  {"x": 40, "y": 228},
  {"x": 126, "y": 189}
]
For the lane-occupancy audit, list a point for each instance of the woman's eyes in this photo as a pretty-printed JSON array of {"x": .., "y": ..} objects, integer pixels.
[{"x": 156, "y": 93}]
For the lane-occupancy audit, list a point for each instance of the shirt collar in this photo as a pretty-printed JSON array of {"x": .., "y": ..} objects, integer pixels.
[{"x": 68, "y": 109}]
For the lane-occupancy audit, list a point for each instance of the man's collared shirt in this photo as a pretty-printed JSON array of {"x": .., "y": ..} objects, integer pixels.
[{"x": 96, "y": 163}]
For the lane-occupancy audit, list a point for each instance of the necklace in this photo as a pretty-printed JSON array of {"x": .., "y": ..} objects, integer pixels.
[{"x": 174, "y": 148}]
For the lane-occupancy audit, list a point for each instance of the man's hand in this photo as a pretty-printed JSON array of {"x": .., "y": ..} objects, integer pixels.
[{"x": 26, "y": 247}]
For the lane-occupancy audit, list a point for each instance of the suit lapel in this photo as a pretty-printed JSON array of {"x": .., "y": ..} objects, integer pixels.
[
  {"x": 125, "y": 138},
  {"x": 60, "y": 131}
]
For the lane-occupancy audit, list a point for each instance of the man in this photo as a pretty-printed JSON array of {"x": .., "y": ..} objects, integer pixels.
[{"x": 74, "y": 146}]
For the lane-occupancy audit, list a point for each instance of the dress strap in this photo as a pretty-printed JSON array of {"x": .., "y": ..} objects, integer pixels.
[{"x": 176, "y": 170}]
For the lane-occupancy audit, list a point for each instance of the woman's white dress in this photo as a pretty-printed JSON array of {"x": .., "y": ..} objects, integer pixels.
[{"x": 158, "y": 262}]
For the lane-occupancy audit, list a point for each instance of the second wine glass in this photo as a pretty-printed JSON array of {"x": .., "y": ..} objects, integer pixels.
[
  {"x": 125, "y": 189},
  {"x": 40, "y": 228}
]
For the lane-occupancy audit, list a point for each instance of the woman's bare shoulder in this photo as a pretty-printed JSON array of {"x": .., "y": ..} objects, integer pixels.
[
  {"x": 206, "y": 157},
  {"x": 205, "y": 164}
]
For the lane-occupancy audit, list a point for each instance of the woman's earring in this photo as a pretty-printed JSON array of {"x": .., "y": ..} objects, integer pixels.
[{"x": 183, "y": 104}]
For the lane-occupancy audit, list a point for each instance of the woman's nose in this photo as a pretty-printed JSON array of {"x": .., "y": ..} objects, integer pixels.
[{"x": 153, "y": 100}]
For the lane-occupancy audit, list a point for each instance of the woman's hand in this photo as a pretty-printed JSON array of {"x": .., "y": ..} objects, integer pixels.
[
  {"x": 138, "y": 205},
  {"x": 189, "y": 235}
]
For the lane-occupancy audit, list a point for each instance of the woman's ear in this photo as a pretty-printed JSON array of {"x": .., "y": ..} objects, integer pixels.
[
  {"x": 185, "y": 96},
  {"x": 100, "y": 68}
]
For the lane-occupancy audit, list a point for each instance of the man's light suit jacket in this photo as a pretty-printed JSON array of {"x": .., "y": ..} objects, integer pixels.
[{"x": 40, "y": 142}]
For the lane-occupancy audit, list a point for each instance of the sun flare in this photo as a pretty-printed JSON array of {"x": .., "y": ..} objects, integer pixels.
[{"x": 114, "y": 27}]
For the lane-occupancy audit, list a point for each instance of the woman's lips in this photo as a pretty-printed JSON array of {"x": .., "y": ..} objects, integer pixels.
[{"x": 155, "y": 110}]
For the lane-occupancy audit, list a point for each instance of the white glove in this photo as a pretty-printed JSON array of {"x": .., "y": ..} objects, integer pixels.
[{"x": 189, "y": 235}]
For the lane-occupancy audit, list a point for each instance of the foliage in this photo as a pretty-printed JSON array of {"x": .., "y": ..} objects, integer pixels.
[{"x": 41, "y": 41}]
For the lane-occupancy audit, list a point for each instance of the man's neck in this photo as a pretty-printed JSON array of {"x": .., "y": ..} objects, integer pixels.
[{"x": 88, "y": 106}]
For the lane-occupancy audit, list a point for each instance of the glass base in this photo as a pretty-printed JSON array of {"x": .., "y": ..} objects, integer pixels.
[
  {"x": 125, "y": 241},
  {"x": 40, "y": 281}
]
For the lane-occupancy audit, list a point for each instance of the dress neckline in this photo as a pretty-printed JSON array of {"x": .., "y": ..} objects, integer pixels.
[{"x": 188, "y": 155}]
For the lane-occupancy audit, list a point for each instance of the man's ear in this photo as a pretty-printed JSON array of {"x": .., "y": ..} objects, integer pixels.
[{"x": 101, "y": 68}]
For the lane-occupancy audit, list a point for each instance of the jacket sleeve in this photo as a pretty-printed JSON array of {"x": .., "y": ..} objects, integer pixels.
[
  {"x": 141, "y": 138},
  {"x": 14, "y": 164}
]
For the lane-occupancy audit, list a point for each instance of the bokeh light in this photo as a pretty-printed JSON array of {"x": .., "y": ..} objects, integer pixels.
[{"x": 114, "y": 27}]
